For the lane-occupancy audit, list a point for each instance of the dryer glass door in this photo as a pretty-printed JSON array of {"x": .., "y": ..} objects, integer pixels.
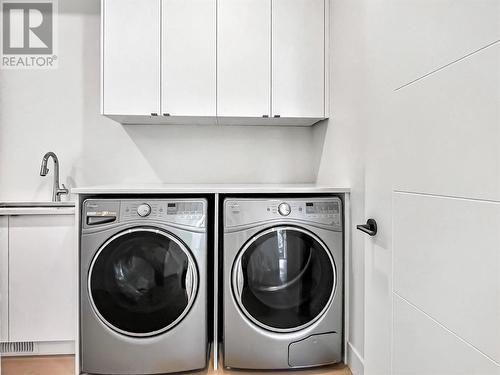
[
  {"x": 284, "y": 279},
  {"x": 142, "y": 282}
]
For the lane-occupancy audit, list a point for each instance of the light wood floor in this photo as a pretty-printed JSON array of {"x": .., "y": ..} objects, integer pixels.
[
  {"x": 64, "y": 365},
  {"x": 39, "y": 365}
]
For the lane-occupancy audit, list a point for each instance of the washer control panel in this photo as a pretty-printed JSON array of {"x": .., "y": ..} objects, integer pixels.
[
  {"x": 325, "y": 211},
  {"x": 181, "y": 211},
  {"x": 187, "y": 212}
]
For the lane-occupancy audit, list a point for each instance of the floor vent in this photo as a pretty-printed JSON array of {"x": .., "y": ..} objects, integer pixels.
[{"x": 23, "y": 347}]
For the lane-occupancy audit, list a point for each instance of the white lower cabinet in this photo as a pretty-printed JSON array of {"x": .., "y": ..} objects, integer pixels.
[
  {"x": 4, "y": 278},
  {"x": 40, "y": 293}
]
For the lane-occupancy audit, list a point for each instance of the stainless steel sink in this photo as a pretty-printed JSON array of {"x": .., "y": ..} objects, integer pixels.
[{"x": 35, "y": 204}]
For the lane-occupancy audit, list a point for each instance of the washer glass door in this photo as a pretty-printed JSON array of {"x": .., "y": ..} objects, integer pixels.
[
  {"x": 142, "y": 282},
  {"x": 284, "y": 279}
]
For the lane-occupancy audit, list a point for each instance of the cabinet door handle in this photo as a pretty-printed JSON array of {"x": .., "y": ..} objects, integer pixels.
[
  {"x": 277, "y": 116},
  {"x": 166, "y": 114},
  {"x": 265, "y": 116},
  {"x": 154, "y": 114},
  {"x": 369, "y": 228}
]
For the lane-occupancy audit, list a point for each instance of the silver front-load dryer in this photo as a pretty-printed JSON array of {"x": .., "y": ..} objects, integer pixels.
[
  {"x": 143, "y": 306},
  {"x": 282, "y": 282}
]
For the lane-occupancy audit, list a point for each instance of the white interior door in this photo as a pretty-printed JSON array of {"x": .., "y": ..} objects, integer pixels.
[
  {"x": 244, "y": 58},
  {"x": 298, "y": 58},
  {"x": 42, "y": 288},
  {"x": 432, "y": 286},
  {"x": 131, "y": 57},
  {"x": 188, "y": 80}
]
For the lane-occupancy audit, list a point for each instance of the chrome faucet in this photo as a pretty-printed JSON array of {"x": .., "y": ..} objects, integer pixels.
[{"x": 56, "y": 189}]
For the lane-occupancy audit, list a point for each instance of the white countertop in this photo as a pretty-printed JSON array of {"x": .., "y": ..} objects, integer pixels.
[
  {"x": 67, "y": 209},
  {"x": 208, "y": 188}
]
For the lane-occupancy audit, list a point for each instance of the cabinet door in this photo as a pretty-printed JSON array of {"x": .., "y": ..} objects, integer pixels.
[
  {"x": 4, "y": 280},
  {"x": 244, "y": 58},
  {"x": 131, "y": 57},
  {"x": 188, "y": 40},
  {"x": 42, "y": 282},
  {"x": 298, "y": 58}
]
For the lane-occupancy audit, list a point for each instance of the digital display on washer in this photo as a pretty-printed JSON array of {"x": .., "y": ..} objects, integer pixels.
[
  {"x": 322, "y": 208},
  {"x": 171, "y": 208},
  {"x": 184, "y": 208}
]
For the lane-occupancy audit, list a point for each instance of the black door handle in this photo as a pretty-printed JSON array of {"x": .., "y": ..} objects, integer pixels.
[{"x": 369, "y": 228}]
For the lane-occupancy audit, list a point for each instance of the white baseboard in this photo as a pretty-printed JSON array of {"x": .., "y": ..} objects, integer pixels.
[{"x": 354, "y": 360}]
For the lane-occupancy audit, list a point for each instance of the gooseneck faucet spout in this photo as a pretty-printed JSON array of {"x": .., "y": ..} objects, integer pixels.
[{"x": 56, "y": 189}]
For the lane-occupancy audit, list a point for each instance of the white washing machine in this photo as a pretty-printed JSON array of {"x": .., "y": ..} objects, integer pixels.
[
  {"x": 282, "y": 282},
  {"x": 143, "y": 285}
]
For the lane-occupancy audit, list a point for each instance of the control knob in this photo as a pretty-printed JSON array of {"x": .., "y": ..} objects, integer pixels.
[
  {"x": 144, "y": 210},
  {"x": 284, "y": 209}
]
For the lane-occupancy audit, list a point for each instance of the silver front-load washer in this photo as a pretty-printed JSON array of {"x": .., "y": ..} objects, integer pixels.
[
  {"x": 282, "y": 282},
  {"x": 143, "y": 303}
]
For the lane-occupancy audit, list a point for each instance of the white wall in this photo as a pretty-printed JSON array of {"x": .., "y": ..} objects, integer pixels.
[
  {"x": 343, "y": 158},
  {"x": 42, "y": 110}
]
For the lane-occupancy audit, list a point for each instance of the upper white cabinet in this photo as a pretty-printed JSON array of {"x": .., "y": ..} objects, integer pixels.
[
  {"x": 188, "y": 79},
  {"x": 207, "y": 61},
  {"x": 298, "y": 58},
  {"x": 130, "y": 57},
  {"x": 244, "y": 58}
]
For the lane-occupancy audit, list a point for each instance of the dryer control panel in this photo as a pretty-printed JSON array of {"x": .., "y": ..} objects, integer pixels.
[{"x": 324, "y": 211}]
